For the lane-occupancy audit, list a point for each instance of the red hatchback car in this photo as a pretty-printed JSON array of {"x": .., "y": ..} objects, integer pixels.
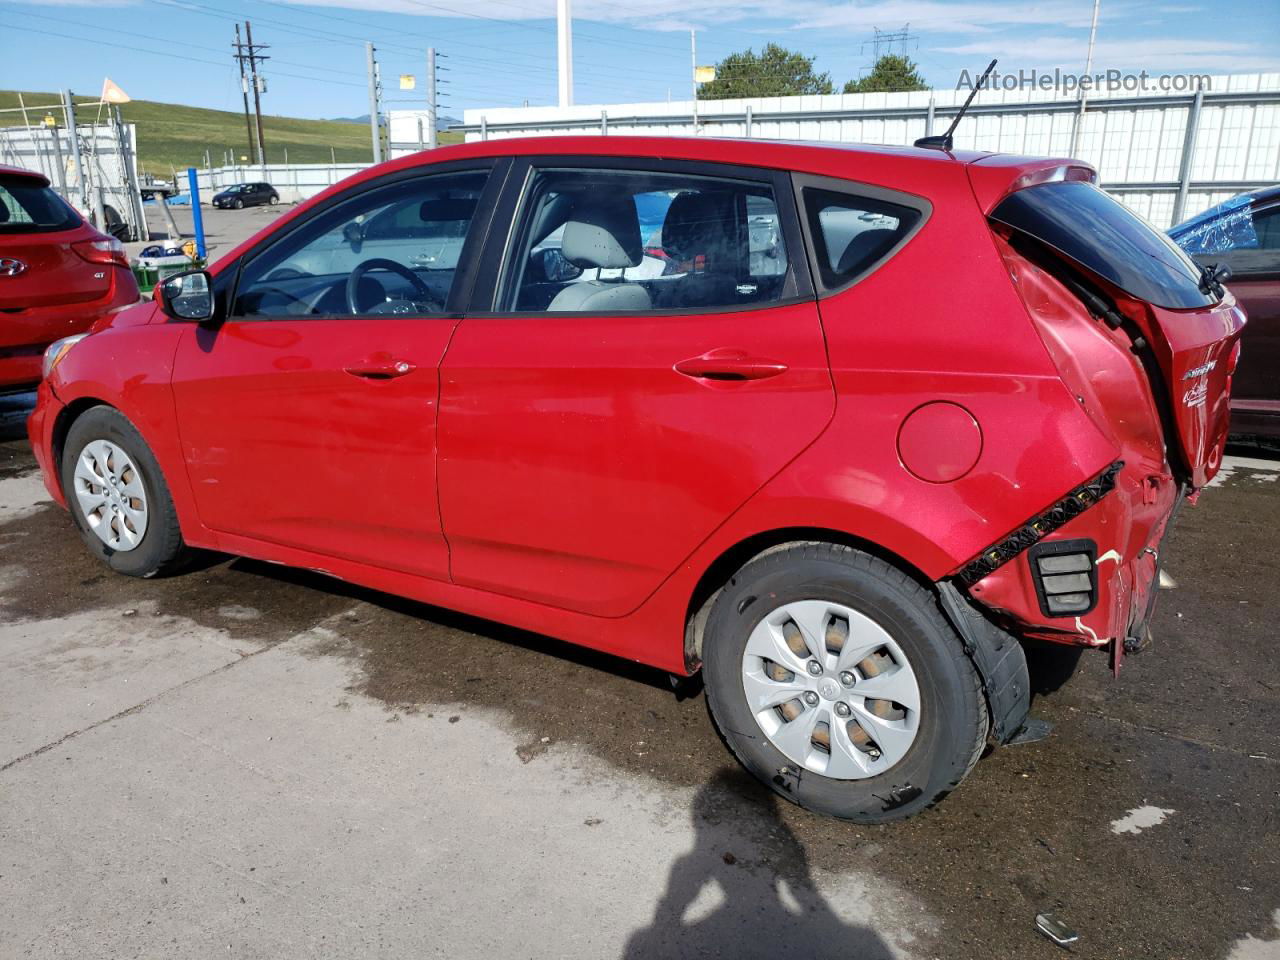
[
  {"x": 57, "y": 275},
  {"x": 836, "y": 427}
]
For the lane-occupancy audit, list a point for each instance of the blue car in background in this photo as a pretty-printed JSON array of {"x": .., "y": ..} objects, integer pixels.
[{"x": 1242, "y": 234}]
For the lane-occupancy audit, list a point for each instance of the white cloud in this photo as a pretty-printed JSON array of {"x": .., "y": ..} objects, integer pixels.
[
  {"x": 1162, "y": 54},
  {"x": 936, "y": 16}
]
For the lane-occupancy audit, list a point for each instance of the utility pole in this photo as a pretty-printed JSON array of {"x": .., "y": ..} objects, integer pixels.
[
  {"x": 1088, "y": 69},
  {"x": 432, "y": 105},
  {"x": 259, "y": 85},
  {"x": 693, "y": 75},
  {"x": 564, "y": 51},
  {"x": 373, "y": 103},
  {"x": 244, "y": 87},
  {"x": 69, "y": 112}
]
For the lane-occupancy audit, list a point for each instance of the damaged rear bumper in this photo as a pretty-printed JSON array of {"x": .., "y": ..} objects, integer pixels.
[{"x": 1118, "y": 521}]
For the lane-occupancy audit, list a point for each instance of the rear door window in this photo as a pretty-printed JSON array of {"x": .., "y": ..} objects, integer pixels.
[
  {"x": 1105, "y": 237},
  {"x": 624, "y": 241},
  {"x": 27, "y": 206}
]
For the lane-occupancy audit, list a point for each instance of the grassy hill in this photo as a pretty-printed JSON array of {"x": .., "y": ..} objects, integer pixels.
[{"x": 173, "y": 136}]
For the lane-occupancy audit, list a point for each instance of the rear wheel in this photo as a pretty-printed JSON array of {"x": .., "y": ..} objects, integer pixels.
[
  {"x": 117, "y": 495},
  {"x": 836, "y": 680},
  {"x": 274, "y": 200}
]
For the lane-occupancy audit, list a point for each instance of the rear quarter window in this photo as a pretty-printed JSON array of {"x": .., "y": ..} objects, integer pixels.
[
  {"x": 853, "y": 232},
  {"x": 27, "y": 206},
  {"x": 1106, "y": 238}
]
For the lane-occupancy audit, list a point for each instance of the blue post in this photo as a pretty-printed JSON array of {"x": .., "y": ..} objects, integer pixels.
[{"x": 196, "y": 219}]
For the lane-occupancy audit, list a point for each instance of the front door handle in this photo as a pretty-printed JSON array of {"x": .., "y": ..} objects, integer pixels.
[
  {"x": 730, "y": 364},
  {"x": 380, "y": 369}
]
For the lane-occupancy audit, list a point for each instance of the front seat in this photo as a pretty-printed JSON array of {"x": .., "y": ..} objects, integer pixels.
[{"x": 602, "y": 232}]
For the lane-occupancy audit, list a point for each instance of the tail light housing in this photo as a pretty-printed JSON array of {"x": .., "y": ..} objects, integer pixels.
[{"x": 104, "y": 250}]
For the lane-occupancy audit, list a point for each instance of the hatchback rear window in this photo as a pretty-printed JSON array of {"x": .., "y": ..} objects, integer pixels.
[
  {"x": 27, "y": 206},
  {"x": 1105, "y": 237}
]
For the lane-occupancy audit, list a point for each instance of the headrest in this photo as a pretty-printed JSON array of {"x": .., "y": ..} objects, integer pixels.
[
  {"x": 4, "y": 213},
  {"x": 864, "y": 249},
  {"x": 603, "y": 231},
  {"x": 432, "y": 211},
  {"x": 699, "y": 224}
]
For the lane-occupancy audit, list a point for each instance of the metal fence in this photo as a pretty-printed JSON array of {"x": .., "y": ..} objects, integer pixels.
[
  {"x": 104, "y": 171},
  {"x": 1166, "y": 156},
  {"x": 293, "y": 181}
]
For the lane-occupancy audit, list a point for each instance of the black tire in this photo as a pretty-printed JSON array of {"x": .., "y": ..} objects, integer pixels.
[
  {"x": 161, "y": 548},
  {"x": 238, "y": 204},
  {"x": 274, "y": 199},
  {"x": 953, "y": 721}
]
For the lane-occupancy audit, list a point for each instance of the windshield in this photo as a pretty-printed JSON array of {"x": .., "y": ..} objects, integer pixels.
[
  {"x": 27, "y": 206},
  {"x": 1105, "y": 237}
]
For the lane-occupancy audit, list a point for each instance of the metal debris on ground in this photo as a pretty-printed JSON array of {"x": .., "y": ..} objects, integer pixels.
[{"x": 1055, "y": 929}]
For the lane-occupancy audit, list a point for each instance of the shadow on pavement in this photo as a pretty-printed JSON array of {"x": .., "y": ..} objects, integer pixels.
[
  {"x": 752, "y": 916},
  {"x": 14, "y": 409}
]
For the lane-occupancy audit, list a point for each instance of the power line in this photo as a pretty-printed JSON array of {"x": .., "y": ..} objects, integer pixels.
[{"x": 163, "y": 53}]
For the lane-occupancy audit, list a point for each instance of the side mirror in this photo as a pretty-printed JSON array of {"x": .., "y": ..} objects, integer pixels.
[
  {"x": 353, "y": 233},
  {"x": 556, "y": 267},
  {"x": 187, "y": 296}
]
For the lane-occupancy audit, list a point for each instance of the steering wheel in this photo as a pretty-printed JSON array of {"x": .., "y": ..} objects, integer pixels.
[{"x": 424, "y": 294}]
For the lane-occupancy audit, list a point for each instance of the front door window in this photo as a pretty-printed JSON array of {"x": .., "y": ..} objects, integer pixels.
[{"x": 390, "y": 251}]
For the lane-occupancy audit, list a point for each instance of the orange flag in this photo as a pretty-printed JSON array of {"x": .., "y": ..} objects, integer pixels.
[{"x": 113, "y": 94}]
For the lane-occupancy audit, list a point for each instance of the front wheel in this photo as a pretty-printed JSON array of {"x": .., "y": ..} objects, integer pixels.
[
  {"x": 274, "y": 200},
  {"x": 117, "y": 495},
  {"x": 239, "y": 204},
  {"x": 835, "y": 679}
]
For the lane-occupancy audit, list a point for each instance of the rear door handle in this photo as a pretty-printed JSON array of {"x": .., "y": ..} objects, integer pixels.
[
  {"x": 380, "y": 369},
  {"x": 730, "y": 364}
]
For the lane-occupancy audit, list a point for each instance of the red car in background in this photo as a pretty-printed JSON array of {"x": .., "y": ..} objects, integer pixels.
[
  {"x": 58, "y": 275},
  {"x": 874, "y": 416}
]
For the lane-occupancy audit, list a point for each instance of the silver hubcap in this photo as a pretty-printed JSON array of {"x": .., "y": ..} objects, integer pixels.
[
  {"x": 112, "y": 499},
  {"x": 831, "y": 689}
]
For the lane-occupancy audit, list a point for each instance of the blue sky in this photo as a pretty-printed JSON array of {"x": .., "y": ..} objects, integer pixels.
[{"x": 502, "y": 52}]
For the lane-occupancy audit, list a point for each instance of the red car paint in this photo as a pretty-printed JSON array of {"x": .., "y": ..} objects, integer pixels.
[
  {"x": 583, "y": 486},
  {"x": 64, "y": 286}
]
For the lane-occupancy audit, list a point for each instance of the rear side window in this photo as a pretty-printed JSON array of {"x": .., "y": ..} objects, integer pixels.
[
  {"x": 853, "y": 233},
  {"x": 27, "y": 206},
  {"x": 1105, "y": 237},
  {"x": 636, "y": 241}
]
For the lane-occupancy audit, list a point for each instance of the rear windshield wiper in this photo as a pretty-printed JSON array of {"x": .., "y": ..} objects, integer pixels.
[{"x": 1212, "y": 277}]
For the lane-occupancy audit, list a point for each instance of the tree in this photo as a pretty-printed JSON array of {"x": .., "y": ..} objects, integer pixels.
[
  {"x": 774, "y": 72},
  {"x": 891, "y": 74}
]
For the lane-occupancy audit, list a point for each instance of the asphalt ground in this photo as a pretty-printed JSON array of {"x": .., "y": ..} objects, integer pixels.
[
  {"x": 223, "y": 229},
  {"x": 251, "y": 761}
]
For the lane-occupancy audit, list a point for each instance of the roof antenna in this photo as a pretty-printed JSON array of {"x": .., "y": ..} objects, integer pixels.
[{"x": 945, "y": 142}]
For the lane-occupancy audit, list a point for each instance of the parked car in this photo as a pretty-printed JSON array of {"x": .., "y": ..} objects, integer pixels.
[
  {"x": 58, "y": 275},
  {"x": 246, "y": 195},
  {"x": 1243, "y": 235},
  {"x": 950, "y": 411}
]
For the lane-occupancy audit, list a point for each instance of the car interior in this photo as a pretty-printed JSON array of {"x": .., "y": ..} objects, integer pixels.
[
  {"x": 604, "y": 242},
  {"x": 392, "y": 253}
]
